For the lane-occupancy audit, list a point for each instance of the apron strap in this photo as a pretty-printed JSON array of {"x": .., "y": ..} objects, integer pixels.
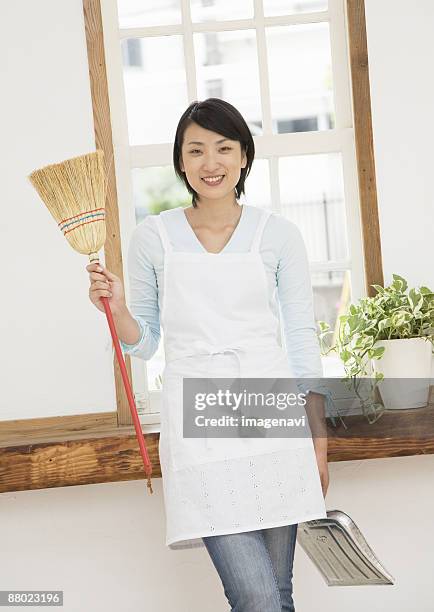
[
  {"x": 163, "y": 233},
  {"x": 260, "y": 229}
]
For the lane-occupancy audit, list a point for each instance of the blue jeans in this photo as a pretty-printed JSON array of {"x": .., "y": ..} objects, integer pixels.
[{"x": 255, "y": 568}]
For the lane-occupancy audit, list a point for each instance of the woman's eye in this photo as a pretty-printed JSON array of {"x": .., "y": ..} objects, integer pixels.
[{"x": 198, "y": 151}]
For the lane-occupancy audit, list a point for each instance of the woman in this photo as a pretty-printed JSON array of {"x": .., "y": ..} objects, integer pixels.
[{"x": 210, "y": 273}]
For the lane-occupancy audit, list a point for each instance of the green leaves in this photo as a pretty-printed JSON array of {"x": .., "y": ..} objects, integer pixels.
[
  {"x": 323, "y": 326},
  {"x": 377, "y": 353},
  {"x": 425, "y": 291},
  {"x": 400, "y": 318},
  {"x": 384, "y": 324},
  {"x": 416, "y": 300},
  {"x": 399, "y": 284},
  {"x": 353, "y": 322},
  {"x": 345, "y": 355},
  {"x": 394, "y": 312}
]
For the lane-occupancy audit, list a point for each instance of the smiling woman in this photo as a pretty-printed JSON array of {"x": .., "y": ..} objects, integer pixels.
[
  {"x": 213, "y": 146},
  {"x": 210, "y": 161},
  {"x": 101, "y": 447},
  {"x": 213, "y": 274},
  {"x": 213, "y": 168}
]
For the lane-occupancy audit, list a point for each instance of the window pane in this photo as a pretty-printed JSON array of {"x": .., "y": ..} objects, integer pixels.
[
  {"x": 301, "y": 85},
  {"x": 143, "y": 13},
  {"x": 288, "y": 7},
  {"x": 227, "y": 67},
  {"x": 221, "y": 10},
  {"x": 257, "y": 185},
  {"x": 155, "y": 87},
  {"x": 156, "y": 189},
  {"x": 331, "y": 298},
  {"x": 312, "y": 196}
]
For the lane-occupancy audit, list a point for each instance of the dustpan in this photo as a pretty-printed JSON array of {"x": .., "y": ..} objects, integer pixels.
[{"x": 340, "y": 552}]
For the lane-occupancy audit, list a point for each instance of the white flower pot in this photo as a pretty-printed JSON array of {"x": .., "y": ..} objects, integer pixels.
[{"x": 406, "y": 365}]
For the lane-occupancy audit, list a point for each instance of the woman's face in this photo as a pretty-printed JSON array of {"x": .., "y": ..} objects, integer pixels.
[{"x": 208, "y": 154}]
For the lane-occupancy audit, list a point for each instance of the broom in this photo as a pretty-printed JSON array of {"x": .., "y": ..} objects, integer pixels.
[{"x": 74, "y": 192}]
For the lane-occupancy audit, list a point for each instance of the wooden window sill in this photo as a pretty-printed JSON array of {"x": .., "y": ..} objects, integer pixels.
[
  {"x": 397, "y": 433},
  {"x": 106, "y": 453}
]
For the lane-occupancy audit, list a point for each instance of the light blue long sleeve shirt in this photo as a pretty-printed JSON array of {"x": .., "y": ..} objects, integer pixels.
[{"x": 285, "y": 261}]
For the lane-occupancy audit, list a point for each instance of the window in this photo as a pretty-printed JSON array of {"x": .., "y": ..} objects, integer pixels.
[
  {"x": 33, "y": 441},
  {"x": 132, "y": 53},
  {"x": 285, "y": 66}
]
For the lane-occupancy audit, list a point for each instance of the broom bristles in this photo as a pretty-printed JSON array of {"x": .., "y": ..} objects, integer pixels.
[{"x": 74, "y": 192}]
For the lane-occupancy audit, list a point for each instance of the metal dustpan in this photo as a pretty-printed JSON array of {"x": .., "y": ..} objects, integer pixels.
[{"x": 340, "y": 552}]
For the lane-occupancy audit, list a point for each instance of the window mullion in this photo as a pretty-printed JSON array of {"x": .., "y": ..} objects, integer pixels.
[
  {"x": 236, "y": 24},
  {"x": 273, "y": 145},
  {"x": 330, "y": 266},
  {"x": 275, "y": 184},
  {"x": 264, "y": 83},
  {"x": 150, "y": 31},
  {"x": 299, "y": 143},
  {"x": 340, "y": 64},
  {"x": 121, "y": 150},
  {"x": 143, "y": 156},
  {"x": 189, "y": 56},
  {"x": 352, "y": 211}
]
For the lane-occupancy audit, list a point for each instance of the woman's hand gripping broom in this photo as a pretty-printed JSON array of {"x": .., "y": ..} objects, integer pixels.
[{"x": 74, "y": 192}]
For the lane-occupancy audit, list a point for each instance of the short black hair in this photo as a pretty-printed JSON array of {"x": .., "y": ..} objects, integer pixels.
[{"x": 218, "y": 116}]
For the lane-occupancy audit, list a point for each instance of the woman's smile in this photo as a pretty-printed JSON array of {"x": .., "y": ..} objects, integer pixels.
[{"x": 213, "y": 181}]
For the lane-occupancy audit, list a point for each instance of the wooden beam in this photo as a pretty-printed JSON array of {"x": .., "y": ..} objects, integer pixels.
[
  {"x": 114, "y": 457},
  {"x": 76, "y": 462},
  {"x": 27, "y": 431},
  {"x": 358, "y": 49},
  {"x": 103, "y": 140},
  {"x": 397, "y": 433}
]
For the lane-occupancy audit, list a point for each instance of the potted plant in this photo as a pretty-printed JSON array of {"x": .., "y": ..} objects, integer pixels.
[{"x": 392, "y": 331}]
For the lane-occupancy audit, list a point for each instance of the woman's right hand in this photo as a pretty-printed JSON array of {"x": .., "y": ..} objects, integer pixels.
[{"x": 104, "y": 283}]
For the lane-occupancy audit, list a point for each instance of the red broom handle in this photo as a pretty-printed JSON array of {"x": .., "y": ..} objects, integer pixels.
[{"x": 120, "y": 357}]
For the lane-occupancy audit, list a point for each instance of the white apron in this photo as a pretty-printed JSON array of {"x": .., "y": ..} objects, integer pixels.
[{"x": 217, "y": 322}]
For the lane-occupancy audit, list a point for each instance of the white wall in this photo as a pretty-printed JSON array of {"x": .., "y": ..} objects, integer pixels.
[
  {"x": 45, "y": 116},
  {"x": 402, "y": 90},
  {"x": 104, "y": 544}
]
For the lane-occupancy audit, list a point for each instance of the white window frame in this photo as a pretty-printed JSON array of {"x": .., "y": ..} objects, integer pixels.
[{"x": 269, "y": 146}]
